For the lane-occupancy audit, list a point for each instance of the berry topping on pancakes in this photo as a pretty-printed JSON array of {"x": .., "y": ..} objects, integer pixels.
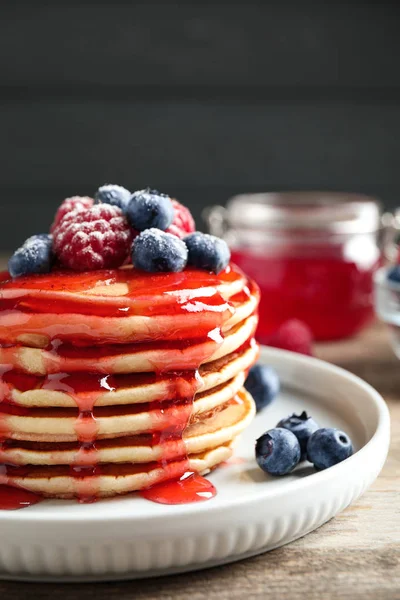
[
  {"x": 34, "y": 256},
  {"x": 183, "y": 222},
  {"x": 96, "y": 238},
  {"x": 116, "y": 195},
  {"x": 207, "y": 252},
  {"x": 77, "y": 203},
  {"x": 115, "y": 377},
  {"x": 156, "y": 251},
  {"x": 148, "y": 227},
  {"x": 148, "y": 209}
]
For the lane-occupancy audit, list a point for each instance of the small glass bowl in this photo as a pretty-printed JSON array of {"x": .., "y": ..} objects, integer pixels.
[{"x": 387, "y": 305}]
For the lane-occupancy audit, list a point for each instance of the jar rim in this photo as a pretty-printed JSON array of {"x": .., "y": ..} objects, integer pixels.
[{"x": 334, "y": 212}]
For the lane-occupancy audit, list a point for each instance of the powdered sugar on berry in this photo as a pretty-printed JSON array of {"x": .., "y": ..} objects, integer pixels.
[
  {"x": 157, "y": 251},
  {"x": 77, "y": 203},
  {"x": 32, "y": 245},
  {"x": 95, "y": 238},
  {"x": 183, "y": 222}
]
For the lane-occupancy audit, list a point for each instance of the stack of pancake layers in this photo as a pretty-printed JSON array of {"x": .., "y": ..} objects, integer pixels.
[{"x": 113, "y": 381}]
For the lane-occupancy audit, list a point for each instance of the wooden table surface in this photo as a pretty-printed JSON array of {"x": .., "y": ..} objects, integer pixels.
[{"x": 356, "y": 555}]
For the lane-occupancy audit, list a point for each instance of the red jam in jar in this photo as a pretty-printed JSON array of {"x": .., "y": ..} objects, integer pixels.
[{"x": 313, "y": 255}]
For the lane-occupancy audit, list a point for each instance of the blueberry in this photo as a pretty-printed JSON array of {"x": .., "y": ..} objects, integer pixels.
[
  {"x": 156, "y": 251},
  {"x": 277, "y": 451},
  {"x": 327, "y": 447},
  {"x": 116, "y": 195},
  {"x": 34, "y": 256},
  {"x": 207, "y": 252},
  {"x": 263, "y": 384},
  {"x": 303, "y": 427},
  {"x": 394, "y": 274},
  {"x": 148, "y": 208}
]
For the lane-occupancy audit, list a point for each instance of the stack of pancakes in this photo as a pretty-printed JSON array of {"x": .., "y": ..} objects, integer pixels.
[{"x": 113, "y": 381}]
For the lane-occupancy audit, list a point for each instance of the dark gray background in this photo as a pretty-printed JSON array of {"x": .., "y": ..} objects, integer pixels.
[{"x": 200, "y": 100}]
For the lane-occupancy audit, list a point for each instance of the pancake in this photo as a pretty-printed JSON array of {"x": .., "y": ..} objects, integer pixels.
[
  {"x": 123, "y": 477},
  {"x": 71, "y": 390},
  {"x": 19, "y": 327},
  {"x": 64, "y": 424},
  {"x": 139, "y": 358},
  {"x": 114, "y": 480},
  {"x": 112, "y": 381},
  {"x": 98, "y": 292},
  {"x": 170, "y": 316},
  {"x": 218, "y": 429}
]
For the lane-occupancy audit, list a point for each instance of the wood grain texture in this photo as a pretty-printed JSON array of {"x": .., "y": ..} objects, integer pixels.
[{"x": 355, "y": 556}]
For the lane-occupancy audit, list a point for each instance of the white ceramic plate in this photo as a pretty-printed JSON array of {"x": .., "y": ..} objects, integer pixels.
[{"x": 252, "y": 513}]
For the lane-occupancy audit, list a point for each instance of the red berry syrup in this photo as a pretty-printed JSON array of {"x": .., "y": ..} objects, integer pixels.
[
  {"x": 13, "y": 498},
  {"x": 150, "y": 295},
  {"x": 330, "y": 293},
  {"x": 189, "y": 488}
]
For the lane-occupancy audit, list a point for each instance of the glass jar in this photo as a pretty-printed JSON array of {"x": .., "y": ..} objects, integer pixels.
[{"x": 313, "y": 254}]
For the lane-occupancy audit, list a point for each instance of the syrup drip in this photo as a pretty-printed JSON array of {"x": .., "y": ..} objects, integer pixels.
[
  {"x": 85, "y": 467},
  {"x": 172, "y": 294},
  {"x": 171, "y": 434},
  {"x": 11, "y": 498},
  {"x": 191, "y": 487}
]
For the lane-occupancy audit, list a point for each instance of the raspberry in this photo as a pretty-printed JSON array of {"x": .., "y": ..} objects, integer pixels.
[
  {"x": 96, "y": 238},
  {"x": 293, "y": 335},
  {"x": 183, "y": 222},
  {"x": 73, "y": 203}
]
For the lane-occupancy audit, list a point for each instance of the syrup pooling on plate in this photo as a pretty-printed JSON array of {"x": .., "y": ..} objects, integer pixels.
[
  {"x": 13, "y": 498},
  {"x": 185, "y": 348},
  {"x": 190, "y": 487}
]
